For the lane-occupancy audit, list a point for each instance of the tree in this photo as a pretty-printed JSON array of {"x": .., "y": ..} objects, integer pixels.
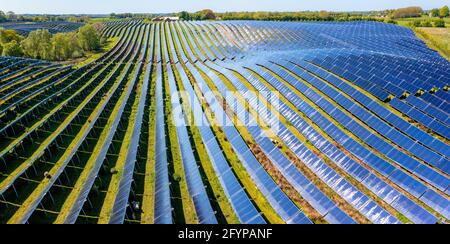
[
  {"x": 12, "y": 49},
  {"x": 184, "y": 15},
  {"x": 444, "y": 12},
  {"x": 206, "y": 14},
  {"x": 88, "y": 38},
  {"x": 1, "y": 49},
  {"x": 434, "y": 12},
  {"x": 2, "y": 16},
  {"x": 65, "y": 46},
  {"x": 113, "y": 15},
  {"x": 9, "y": 35},
  {"x": 407, "y": 12},
  {"x": 38, "y": 45}
]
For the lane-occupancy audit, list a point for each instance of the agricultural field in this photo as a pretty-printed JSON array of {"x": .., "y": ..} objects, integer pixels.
[
  {"x": 251, "y": 122},
  {"x": 437, "y": 38}
]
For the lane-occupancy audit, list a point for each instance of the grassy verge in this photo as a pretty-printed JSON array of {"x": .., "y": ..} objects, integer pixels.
[
  {"x": 148, "y": 200},
  {"x": 436, "y": 38},
  {"x": 93, "y": 56}
]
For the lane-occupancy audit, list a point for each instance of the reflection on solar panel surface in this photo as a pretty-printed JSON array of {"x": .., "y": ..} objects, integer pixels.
[{"x": 229, "y": 122}]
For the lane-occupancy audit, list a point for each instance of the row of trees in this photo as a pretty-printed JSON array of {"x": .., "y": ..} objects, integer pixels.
[
  {"x": 297, "y": 16},
  {"x": 443, "y": 12},
  {"x": 41, "y": 44},
  {"x": 409, "y": 12},
  {"x": 436, "y": 23}
]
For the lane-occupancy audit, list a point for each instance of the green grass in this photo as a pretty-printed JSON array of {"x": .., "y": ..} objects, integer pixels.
[
  {"x": 99, "y": 20},
  {"x": 148, "y": 199},
  {"x": 436, "y": 38},
  {"x": 93, "y": 56}
]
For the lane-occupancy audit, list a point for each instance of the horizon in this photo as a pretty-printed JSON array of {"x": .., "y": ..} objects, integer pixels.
[{"x": 66, "y": 7}]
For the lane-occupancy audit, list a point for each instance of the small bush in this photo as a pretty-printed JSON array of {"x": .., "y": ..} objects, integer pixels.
[
  {"x": 176, "y": 177},
  {"x": 426, "y": 24},
  {"x": 391, "y": 21},
  {"x": 417, "y": 23},
  {"x": 114, "y": 171},
  {"x": 439, "y": 23}
]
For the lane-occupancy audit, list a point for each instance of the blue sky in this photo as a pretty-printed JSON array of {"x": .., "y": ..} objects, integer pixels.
[{"x": 165, "y": 6}]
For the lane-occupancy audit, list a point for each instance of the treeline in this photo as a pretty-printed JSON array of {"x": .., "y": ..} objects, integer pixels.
[
  {"x": 296, "y": 16},
  {"x": 426, "y": 23},
  {"x": 412, "y": 12},
  {"x": 41, "y": 44},
  {"x": 208, "y": 14}
]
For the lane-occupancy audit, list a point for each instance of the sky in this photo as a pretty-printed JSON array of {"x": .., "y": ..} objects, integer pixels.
[{"x": 170, "y": 6}]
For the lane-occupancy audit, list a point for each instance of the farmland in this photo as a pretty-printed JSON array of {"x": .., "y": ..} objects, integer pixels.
[{"x": 249, "y": 122}]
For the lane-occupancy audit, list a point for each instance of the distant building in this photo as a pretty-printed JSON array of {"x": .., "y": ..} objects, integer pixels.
[{"x": 166, "y": 18}]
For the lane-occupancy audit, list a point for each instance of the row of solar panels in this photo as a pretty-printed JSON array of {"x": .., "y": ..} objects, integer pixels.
[
  {"x": 423, "y": 171},
  {"x": 44, "y": 148},
  {"x": 415, "y": 143},
  {"x": 53, "y": 27},
  {"x": 330, "y": 129}
]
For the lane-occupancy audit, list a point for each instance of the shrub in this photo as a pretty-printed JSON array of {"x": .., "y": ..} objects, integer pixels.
[
  {"x": 176, "y": 177},
  {"x": 417, "y": 23},
  {"x": 391, "y": 21},
  {"x": 114, "y": 171},
  {"x": 426, "y": 24},
  {"x": 12, "y": 49},
  {"x": 407, "y": 12},
  {"x": 439, "y": 23}
]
